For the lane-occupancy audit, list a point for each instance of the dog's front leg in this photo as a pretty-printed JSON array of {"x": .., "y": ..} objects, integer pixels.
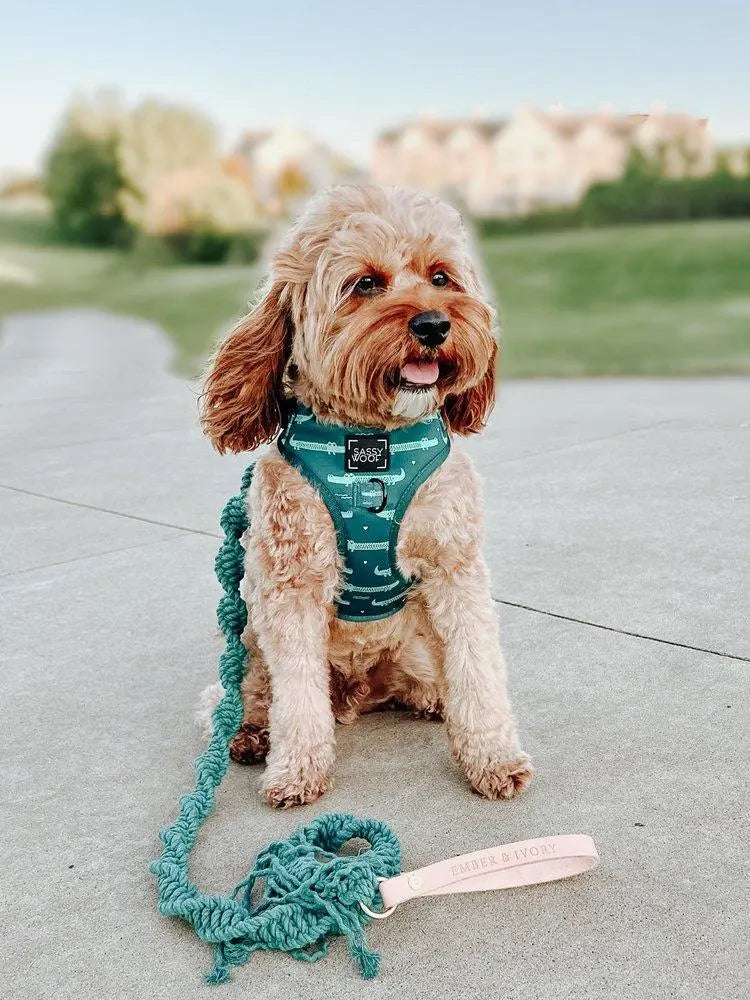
[
  {"x": 292, "y": 566},
  {"x": 481, "y": 728},
  {"x": 301, "y": 722}
]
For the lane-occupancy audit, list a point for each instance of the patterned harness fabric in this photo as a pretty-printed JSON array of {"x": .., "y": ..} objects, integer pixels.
[{"x": 367, "y": 478}]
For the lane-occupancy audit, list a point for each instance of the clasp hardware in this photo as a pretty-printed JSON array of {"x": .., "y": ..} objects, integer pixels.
[
  {"x": 372, "y": 913},
  {"x": 384, "y": 501}
]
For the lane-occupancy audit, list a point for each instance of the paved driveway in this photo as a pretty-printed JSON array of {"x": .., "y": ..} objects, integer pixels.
[{"x": 618, "y": 538}]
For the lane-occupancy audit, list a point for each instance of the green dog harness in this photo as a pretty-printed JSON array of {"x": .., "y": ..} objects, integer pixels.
[{"x": 367, "y": 479}]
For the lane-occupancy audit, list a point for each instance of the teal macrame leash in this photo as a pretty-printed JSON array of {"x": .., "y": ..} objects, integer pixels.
[{"x": 310, "y": 892}]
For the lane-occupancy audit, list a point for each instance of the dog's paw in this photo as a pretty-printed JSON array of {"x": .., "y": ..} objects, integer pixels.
[
  {"x": 502, "y": 779},
  {"x": 298, "y": 781},
  {"x": 430, "y": 709},
  {"x": 496, "y": 768},
  {"x": 250, "y": 745},
  {"x": 348, "y": 695},
  {"x": 422, "y": 701}
]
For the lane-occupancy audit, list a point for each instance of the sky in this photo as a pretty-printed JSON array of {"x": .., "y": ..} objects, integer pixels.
[{"x": 344, "y": 71}]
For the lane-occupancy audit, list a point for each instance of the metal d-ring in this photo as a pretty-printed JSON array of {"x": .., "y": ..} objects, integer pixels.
[
  {"x": 372, "y": 913},
  {"x": 384, "y": 499}
]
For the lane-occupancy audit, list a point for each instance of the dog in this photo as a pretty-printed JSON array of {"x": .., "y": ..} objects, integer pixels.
[{"x": 372, "y": 317}]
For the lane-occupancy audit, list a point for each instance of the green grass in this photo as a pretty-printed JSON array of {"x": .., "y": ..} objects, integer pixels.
[
  {"x": 665, "y": 299},
  {"x": 193, "y": 303}
]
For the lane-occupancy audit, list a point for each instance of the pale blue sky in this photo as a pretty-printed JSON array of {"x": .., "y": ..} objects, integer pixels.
[{"x": 345, "y": 70}]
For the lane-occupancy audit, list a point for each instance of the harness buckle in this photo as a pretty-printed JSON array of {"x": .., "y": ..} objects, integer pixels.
[{"x": 384, "y": 501}]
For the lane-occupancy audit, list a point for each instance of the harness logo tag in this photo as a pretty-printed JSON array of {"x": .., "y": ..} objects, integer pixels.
[{"x": 367, "y": 453}]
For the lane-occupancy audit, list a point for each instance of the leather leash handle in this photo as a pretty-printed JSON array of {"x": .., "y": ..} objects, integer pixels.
[{"x": 525, "y": 862}]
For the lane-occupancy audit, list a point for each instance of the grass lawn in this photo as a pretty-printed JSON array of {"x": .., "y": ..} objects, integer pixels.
[
  {"x": 194, "y": 304},
  {"x": 665, "y": 299},
  {"x": 671, "y": 299}
]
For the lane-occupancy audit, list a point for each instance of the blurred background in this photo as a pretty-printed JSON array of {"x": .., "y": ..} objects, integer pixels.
[{"x": 601, "y": 153}]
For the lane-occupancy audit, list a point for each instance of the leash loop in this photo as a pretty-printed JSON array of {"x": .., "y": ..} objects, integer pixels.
[
  {"x": 384, "y": 496},
  {"x": 506, "y": 866}
]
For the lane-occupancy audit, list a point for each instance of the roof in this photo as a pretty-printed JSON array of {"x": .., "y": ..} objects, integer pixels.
[
  {"x": 565, "y": 125},
  {"x": 441, "y": 129},
  {"x": 250, "y": 139}
]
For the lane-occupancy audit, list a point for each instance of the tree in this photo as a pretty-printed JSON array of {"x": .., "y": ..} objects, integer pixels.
[
  {"x": 82, "y": 174},
  {"x": 201, "y": 213},
  {"x": 157, "y": 140}
]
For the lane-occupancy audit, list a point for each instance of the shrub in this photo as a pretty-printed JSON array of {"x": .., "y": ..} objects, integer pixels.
[
  {"x": 204, "y": 215},
  {"x": 200, "y": 247},
  {"x": 651, "y": 199},
  {"x": 202, "y": 199},
  {"x": 547, "y": 220},
  {"x": 83, "y": 181},
  {"x": 245, "y": 248},
  {"x": 639, "y": 196}
]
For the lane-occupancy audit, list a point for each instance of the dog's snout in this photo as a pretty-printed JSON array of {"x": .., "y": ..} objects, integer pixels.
[{"x": 430, "y": 328}]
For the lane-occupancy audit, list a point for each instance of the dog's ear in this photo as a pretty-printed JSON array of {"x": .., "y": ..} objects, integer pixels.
[
  {"x": 242, "y": 400},
  {"x": 467, "y": 413}
]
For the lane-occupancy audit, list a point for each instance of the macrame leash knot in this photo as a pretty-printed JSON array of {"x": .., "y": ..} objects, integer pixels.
[{"x": 309, "y": 890}]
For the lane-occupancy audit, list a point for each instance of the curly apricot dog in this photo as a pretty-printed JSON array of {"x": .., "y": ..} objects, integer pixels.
[{"x": 373, "y": 333}]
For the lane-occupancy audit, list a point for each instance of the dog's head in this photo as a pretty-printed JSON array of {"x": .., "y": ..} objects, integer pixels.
[{"x": 373, "y": 316}]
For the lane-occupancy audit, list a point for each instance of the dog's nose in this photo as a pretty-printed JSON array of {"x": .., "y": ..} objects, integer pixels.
[{"x": 430, "y": 328}]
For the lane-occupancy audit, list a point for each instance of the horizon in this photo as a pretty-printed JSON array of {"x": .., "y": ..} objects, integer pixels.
[{"x": 321, "y": 71}]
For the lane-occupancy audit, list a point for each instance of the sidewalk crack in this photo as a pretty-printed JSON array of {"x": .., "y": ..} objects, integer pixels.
[
  {"x": 91, "y": 555},
  {"x": 622, "y": 631},
  {"x": 107, "y": 510}
]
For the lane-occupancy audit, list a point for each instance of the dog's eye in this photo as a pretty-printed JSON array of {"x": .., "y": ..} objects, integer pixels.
[
  {"x": 368, "y": 284},
  {"x": 440, "y": 279}
]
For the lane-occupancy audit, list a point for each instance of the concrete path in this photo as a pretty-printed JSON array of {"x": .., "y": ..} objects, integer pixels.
[{"x": 618, "y": 539}]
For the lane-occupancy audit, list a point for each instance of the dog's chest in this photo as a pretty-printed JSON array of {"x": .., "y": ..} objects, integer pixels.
[{"x": 367, "y": 480}]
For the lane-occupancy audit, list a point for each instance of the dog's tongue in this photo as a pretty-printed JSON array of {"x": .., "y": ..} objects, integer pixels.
[{"x": 421, "y": 372}]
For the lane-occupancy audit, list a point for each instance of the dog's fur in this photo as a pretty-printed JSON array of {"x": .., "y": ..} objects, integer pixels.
[{"x": 312, "y": 337}]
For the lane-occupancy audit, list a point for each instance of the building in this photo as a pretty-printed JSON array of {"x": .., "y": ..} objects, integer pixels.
[
  {"x": 735, "y": 159},
  {"x": 536, "y": 159},
  {"x": 287, "y": 164}
]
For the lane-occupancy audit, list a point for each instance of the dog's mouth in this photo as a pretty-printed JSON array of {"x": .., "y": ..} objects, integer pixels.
[{"x": 421, "y": 375}]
